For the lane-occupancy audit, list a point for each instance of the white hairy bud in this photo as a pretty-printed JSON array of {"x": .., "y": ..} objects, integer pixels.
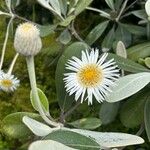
[{"x": 27, "y": 39}]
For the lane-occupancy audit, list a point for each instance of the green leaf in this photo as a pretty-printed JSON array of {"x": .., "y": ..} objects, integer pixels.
[
  {"x": 13, "y": 126},
  {"x": 134, "y": 29},
  {"x": 127, "y": 64},
  {"x": 121, "y": 49},
  {"x": 65, "y": 37},
  {"x": 38, "y": 128},
  {"x": 147, "y": 62},
  {"x": 8, "y": 4},
  {"x": 49, "y": 145},
  {"x": 56, "y": 6},
  {"x": 109, "y": 39},
  {"x": 96, "y": 32},
  {"x": 110, "y": 139},
  {"x": 147, "y": 117},
  {"x": 110, "y": 3},
  {"x": 46, "y": 30},
  {"x": 86, "y": 123},
  {"x": 81, "y": 6},
  {"x": 63, "y": 6},
  {"x": 67, "y": 21},
  {"x": 123, "y": 35},
  {"x": 15, "y": 3},
  {"x": 48, "y": 5},
  {"x": 43, "y": 99},
  {"x": 74, "y": 49},
  {"x": 139, "y": 51},
  {"x": 134, "y": 105},
  {"x": 73, "y": 139},
  {"x": 108, "y": 112},
  {"x": 140, "y": 14},
  {"x": 128, "y": 85},
  {"x": 118, "y": 4}
]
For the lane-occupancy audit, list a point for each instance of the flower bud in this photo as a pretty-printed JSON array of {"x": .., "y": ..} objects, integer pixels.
[
  {"x": 147, "y": 7},
  {"x": 27, "y": 39}
]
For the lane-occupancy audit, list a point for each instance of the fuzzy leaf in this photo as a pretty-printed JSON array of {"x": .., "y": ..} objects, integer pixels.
[
  {"x": 134, "y": 29},
  {"x": 110, "y": 140},
  {"x": 43, "y": 100},
  {"x": 139, "y": 51},
  {"x": 86, "y": 123},
  {"x": 72, "y": 139},
  {"x": 134, "y": 105},
  {"x": 121, "y": 50},
  {"x": 65, "y": 37},
  {"x": 128, "y": 85},
  {"x": 81, "y": 5},
  {"x": 96, "y": 32},
  {"x": 109, "y": 39},
  {"x": 147, "y": 62},
  {"x": 110, "y": 3},
  {"x": 13, "y": 126},
  {"x": 127, "y": 64},
  {"x": 48, "y": 145},
  {"x": 38, "y": 128},
  {"x": 108, "y": 112}
]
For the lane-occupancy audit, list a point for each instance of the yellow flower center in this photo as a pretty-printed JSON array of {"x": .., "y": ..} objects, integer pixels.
[
  {"x": 6, "y": 83},
  {"x": 90, "y": 75},
  {"x": 27, "y": 26}
]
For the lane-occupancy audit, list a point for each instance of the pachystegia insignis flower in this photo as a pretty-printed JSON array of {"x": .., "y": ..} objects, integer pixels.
[{"x": 91, "y": 76}]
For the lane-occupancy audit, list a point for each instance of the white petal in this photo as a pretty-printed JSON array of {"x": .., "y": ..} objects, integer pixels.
[
  {"x": 89, "y": 92},
  {"x": 102, "y": 59}
]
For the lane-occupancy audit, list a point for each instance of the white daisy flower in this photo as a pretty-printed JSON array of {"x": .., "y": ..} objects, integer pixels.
[
  {"x": 90, "y": 76},
  {"x": 8, "y": 82}
]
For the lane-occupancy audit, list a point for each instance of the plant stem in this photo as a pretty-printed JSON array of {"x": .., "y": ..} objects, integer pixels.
[
  {"x": 122, "y": 10},
  {"x": 12, "y": 64},
  {"x": 69, "y": 112},
  {"x": 32, "y": 77},
  {"x": 130, "y": 5},
  {"x": 74, "y": 33},
  {"x": 5, "y": 42},
  {"x": 22, "y": 18},
  {"x": 99, "y": 11}
]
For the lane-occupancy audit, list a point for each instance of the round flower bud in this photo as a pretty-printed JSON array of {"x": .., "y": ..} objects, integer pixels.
[{"x": 27, "y": 39}]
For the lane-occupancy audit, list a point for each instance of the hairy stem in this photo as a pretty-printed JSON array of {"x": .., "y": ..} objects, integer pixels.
[
  {"x": 32, "y": 77},
  {"x": 63, "y": 115},
  {"x": 12, "y": 64},
  {"x": 5, "y": 42},
  {"x": 122, "y": 10}
]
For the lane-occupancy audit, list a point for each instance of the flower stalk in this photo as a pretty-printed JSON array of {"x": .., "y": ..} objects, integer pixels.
[
  {"x": 5, "y": 42},
  {"x": 12, "y": 64},
  {"x": 32, "y": 77}
]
